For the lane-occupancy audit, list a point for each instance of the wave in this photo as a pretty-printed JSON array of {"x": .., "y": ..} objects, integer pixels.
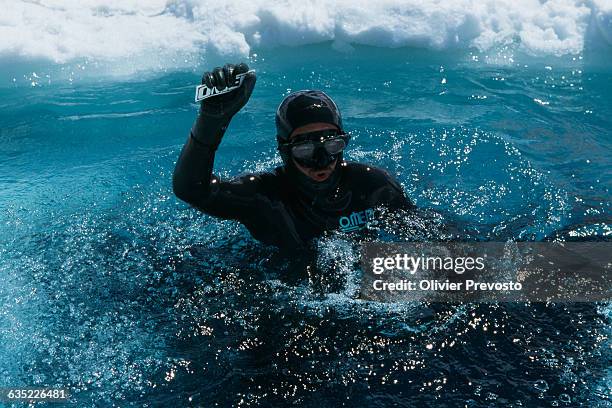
[{"x": 177, "y": 32}]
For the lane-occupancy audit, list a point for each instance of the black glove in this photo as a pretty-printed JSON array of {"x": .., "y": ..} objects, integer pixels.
[{"x": 217, "y": 111}]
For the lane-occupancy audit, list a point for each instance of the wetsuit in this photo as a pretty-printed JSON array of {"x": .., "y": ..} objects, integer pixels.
[{"x": 280, "y": 207}]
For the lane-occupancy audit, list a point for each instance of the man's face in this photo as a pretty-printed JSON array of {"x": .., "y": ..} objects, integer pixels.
[{"x": 318, "y": 175}]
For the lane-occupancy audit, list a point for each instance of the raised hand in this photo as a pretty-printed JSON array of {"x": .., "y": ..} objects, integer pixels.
[{"x": 228, "y": 104}]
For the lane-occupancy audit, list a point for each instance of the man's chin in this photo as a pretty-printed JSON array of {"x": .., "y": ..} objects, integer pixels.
[{"x": 320, "y": 175}]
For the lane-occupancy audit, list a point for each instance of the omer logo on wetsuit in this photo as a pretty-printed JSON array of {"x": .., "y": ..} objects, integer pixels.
[{"x": 313, "y": 192}]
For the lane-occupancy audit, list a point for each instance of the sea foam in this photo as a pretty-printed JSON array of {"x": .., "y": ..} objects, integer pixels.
[{"x": 146, "y": 32}]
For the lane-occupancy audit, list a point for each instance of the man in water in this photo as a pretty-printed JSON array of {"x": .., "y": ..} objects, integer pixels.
[{"x": 313, "y": 192}]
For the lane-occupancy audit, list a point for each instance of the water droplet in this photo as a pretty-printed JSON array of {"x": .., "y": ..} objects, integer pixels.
[{"x": 541, "y": 385}]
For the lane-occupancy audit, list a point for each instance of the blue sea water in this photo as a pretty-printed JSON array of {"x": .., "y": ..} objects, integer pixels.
[{"x": 116, "y": 290}]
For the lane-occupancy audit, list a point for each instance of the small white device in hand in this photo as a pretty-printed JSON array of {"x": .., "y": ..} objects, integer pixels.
[{"x": 204, "y": 92}]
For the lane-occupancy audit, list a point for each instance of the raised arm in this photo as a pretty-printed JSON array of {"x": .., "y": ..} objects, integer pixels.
[{"x": 193, "y": 180}]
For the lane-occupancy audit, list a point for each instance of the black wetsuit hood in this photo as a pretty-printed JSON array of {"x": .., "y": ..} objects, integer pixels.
[{"x": 302, "y": 108}]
